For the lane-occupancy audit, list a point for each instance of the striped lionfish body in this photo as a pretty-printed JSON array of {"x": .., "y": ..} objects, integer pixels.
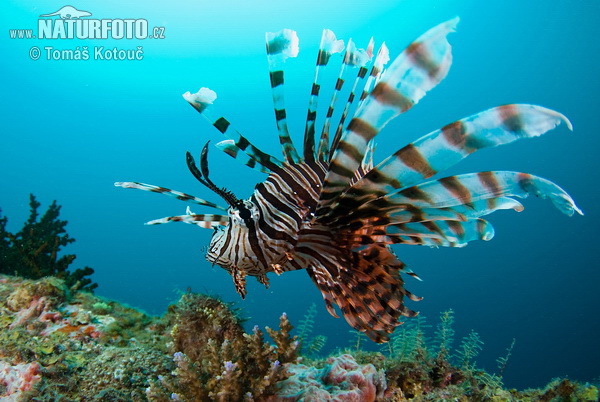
[{"x": 332, "y": 212}]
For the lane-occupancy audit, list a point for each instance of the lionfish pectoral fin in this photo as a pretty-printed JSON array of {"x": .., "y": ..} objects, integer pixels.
[
  {"x": 171, "y": 193},
  {"x": 441, "y": 149},
  {"x": 206, "y": 221},
  {"x": 462, "y": 198},
  {"x": 419, "y": 68},
  {"x": 472, "y": 187},
  {"x": 447, "y": 233},
  {"x": 370, "y": 218}
]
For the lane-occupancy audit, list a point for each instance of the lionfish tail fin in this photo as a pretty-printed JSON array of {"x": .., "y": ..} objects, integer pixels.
[
  {"x": 280, "y": 46},
  {"x": 202, "y": 101},
  {"x": 419, "y": 68},
  {"x": 329, "y": 46}
]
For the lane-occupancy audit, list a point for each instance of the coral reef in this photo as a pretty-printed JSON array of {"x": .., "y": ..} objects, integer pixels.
[
  {"x": 33, "y": 252},
  {"x": 55, "y": 346},
  {"x": 562, "y": 390},
  {"x": 62, "y": 344},
  {"x": 421, "y": 367}
]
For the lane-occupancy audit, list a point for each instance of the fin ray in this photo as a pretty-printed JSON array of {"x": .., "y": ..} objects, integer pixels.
[
  {"x": 202, "y": 101},
  {"x": 280, "y": 46},
  {"x": 171, "y": 193},
  {"x": 419, "y": 68}
]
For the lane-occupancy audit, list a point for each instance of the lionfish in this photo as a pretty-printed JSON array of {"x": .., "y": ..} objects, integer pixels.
[{"x": 334, "y": 213}]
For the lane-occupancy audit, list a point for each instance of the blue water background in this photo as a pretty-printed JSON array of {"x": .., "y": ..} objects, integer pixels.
[{"x": 70, "y": 129}]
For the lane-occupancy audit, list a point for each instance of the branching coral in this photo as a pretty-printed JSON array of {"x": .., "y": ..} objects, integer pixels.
[
  {"x": 216, "y": 360},
  {"x": 286, "y": 346},
  {"x": 34, "y": 251}
]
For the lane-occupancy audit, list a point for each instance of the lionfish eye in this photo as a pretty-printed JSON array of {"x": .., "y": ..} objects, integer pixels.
[
  {"x": 202, "y": 176},
  {"x": 244, "y": 212}
]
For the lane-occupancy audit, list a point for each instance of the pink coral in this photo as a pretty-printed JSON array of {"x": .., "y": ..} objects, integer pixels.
[
  {"x": 342, "y": 379},
  {"x": 18, "y": 379}
]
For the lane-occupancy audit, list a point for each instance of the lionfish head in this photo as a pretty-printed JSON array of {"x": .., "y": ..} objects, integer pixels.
[
  {"x": 224, "y": 244},
  {"x": 242, "y": 218}
]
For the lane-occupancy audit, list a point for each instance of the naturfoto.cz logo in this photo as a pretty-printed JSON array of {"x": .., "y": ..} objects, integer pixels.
[{"x": 70, "y": 23}]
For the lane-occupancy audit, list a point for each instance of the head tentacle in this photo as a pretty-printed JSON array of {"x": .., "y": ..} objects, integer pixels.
[{"x": 202, "y": 176}]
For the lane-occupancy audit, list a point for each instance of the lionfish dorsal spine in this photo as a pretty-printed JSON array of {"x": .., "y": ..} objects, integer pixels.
[
  {"x": 362, "y": 64},
  {"x": 280, "y": 46},
  {"x": 415, "y": 71},
  {"x": 232, "y": 149},
  {"x": 329, "y": 46},
  {"x": 382, "y": 58},
  {"x": 352, "y": 57},
  {"x": 237, "y": 144}
]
